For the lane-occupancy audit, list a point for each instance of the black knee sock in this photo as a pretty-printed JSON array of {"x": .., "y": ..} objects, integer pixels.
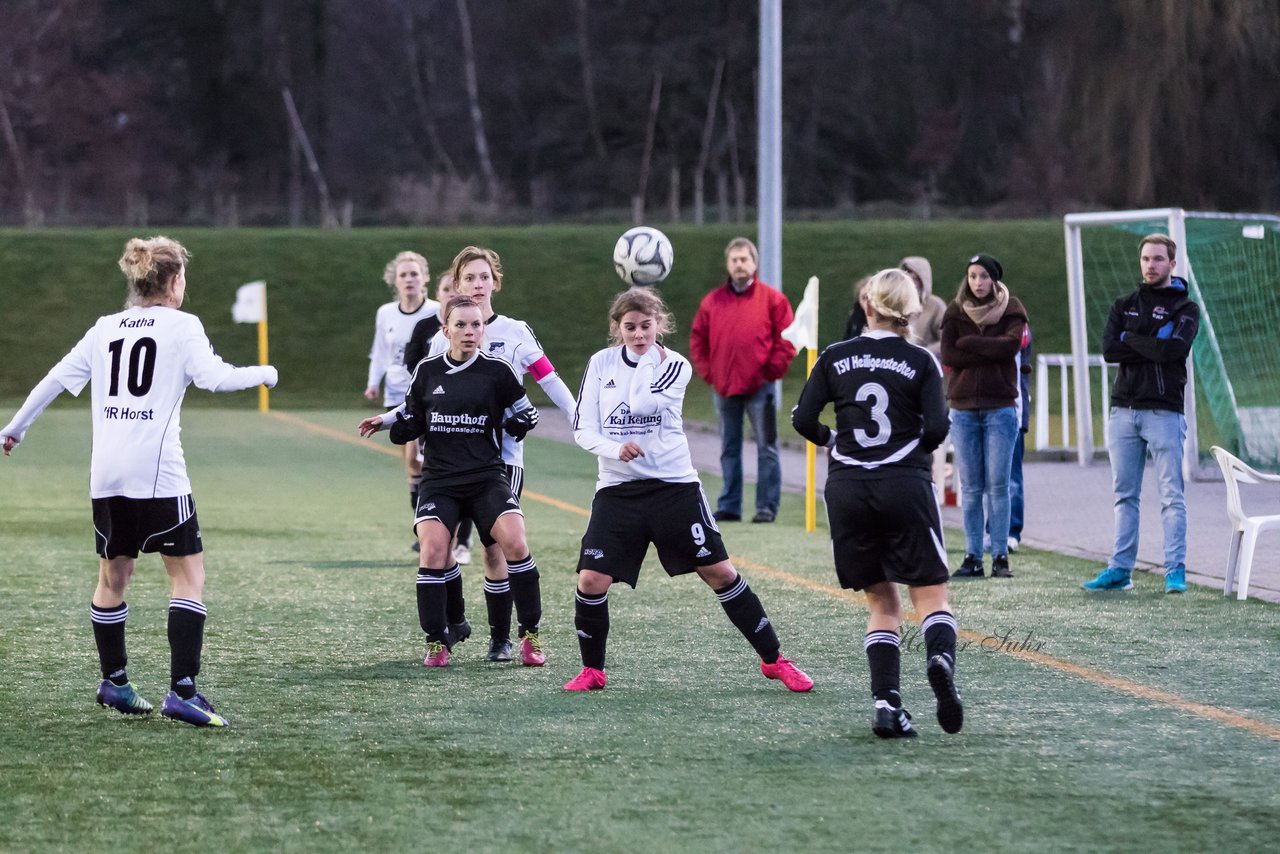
[
  {"x": 186, "y": 638},
  {"x": 431, "y": 604},
  {"x": 455, "y": 605},
  {"x": 745, "y": 611},
  {"x": 527, "y": 593},
  {"x": 497, "y": 600},
  {"x": 884, "y": 657},
  {"x": 108, "y": 634},
  {"x": 591, "y": 619},
  {"x": 940, "y": 635}
]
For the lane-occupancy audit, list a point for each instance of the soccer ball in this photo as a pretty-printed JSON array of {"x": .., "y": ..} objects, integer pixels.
[{"x": 643, "y": 256}]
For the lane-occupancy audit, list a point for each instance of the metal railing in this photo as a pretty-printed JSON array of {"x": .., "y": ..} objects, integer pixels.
[{"x": 1065, "y": 363}]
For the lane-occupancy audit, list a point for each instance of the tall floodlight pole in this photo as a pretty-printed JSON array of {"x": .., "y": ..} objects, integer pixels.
[{"x": 769, "y": 160}]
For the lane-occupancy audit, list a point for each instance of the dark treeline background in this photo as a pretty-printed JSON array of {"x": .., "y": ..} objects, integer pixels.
[{"x": 142, "y": 112}]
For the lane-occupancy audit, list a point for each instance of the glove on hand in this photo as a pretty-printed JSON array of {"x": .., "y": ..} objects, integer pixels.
[{"x": 519, "y": 425}]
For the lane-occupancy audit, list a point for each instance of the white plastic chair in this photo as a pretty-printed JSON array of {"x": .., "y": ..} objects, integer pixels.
[{"x": 1245, "y": 529}]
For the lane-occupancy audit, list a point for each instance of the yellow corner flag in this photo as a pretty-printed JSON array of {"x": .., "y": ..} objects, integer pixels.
[
  {"x": 251, "y": 307},
  {"x": 803, "y": 333}
]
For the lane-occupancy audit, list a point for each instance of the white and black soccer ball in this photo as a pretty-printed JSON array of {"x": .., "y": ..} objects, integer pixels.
[{"x": 643, "y": 256}]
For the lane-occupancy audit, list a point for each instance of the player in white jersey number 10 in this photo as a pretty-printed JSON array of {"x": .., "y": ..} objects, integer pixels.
[
  {"x": 140, "y": 362},
  {"x": 629, "y": 415}
]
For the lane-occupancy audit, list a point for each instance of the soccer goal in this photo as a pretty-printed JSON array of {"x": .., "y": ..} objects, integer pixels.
[{"x": 1232, "y": 266}]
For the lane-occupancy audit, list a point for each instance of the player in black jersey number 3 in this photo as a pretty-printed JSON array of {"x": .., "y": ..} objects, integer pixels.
[
  {"x": 881, "y": 507},
  {"x": 629, "y": 415},
  {"x": 459, "y": 403}
]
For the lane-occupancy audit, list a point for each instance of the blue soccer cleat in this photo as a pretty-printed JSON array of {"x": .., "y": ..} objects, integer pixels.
[
  {"x": 197, "y": 711},
  {"x": 1111, "y": 578},
  {"x": 1175, "y": 579},
  {"x": 122, "y": 698}
]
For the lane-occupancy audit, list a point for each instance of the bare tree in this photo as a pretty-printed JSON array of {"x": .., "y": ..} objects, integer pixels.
[
  {"x": 735, "y": 167},
  {"x": 646, "y": 158},
  {"x": 328, "y": 218},
  {"x": 589, "y": 83},
  {"x": 426, "y": 117},
  {"x": 473, "y": 101},
  {"x": 31, "y": 215},
  {"x": 704, "y": 153}
]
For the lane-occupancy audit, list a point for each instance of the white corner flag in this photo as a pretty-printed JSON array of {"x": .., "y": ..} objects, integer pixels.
[
  {"x": 803, "y": 333},
  {"x": 251, "y": 303},
  {"x": 251, "y": 307}
]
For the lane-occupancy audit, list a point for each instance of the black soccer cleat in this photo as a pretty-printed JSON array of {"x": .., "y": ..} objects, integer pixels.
[
  {"x": 971, "y": 568},
  {"x": 499, "y": 649},
  {"x": 890, "y": 721},
  {"x": 1000, "y": 567},
  {"x": 458, "y": 632},
  {"x": 943, "y": 682}
]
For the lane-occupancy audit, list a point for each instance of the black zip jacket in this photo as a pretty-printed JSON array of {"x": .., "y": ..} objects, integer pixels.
[{"x": 1153, "y": 368}]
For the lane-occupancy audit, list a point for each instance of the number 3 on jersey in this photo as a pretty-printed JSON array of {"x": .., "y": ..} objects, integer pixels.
[
  {"x": 142, "y": 366},
  {"x": 879, "y": 398}
]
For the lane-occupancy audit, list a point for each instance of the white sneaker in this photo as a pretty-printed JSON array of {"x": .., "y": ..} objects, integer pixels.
[
  {"x": 1013, "y": 544},
  {"x": 462, "y": 554}
]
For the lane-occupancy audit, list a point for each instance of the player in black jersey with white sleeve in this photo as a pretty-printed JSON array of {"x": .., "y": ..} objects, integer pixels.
[
  {"x": 629, "y": 415},
  {"x": 882, "y": 510},
  {"x": 460, "y": 403},
  {"x": 140, "y": 362}
]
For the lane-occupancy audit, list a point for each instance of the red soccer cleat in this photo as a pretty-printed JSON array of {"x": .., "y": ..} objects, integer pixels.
[
  {"x": 589, "y": 679},
  {"x": 531, "y": 654},
  {"x": 785, "y": 669},
  {"x": 437, "y": 655}
]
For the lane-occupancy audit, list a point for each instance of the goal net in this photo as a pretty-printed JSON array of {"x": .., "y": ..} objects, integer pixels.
[{"x": 1232, "y": 266}]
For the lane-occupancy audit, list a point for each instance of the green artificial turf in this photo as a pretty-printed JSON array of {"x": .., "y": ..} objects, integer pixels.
[{"x": 341, "y": 740}]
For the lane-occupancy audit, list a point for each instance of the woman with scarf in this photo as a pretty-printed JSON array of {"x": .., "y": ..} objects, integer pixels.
[{"x": 981, "y": 335}]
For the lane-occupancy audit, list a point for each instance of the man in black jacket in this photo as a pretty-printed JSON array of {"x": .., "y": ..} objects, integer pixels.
[{"x": 1149, "y": 334}]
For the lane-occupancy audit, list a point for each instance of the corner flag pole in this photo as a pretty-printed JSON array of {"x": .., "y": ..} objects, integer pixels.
[
  {"x": 803, "y": 333},
  {"x": 251, "y": 307},
  {"x": 810, "y": 461},
  {"x": 264, "y": 401}
]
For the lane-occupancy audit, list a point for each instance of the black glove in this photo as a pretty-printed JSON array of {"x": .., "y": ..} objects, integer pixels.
[{"x": 519, "y": 425}]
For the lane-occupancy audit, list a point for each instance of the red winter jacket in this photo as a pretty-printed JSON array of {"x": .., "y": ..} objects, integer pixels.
[{"x": 736, "y": 343}]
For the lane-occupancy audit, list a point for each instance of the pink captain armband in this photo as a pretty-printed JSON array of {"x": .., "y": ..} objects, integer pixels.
[{"x": 541, "y": 369}]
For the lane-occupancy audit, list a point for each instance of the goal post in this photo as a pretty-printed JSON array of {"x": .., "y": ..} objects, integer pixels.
[{"x": 1231, "y": 263}]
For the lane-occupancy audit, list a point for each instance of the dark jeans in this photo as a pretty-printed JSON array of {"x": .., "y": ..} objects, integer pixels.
[{"x": 761, "y": 410}]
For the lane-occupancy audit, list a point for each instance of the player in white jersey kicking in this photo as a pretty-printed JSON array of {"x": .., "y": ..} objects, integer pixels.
[
  {"x": 460, "y": 403},
  {"x": 140, "y": 362},
  {"x": 629, "y": 415},
  {"x": 407, "y": 274},
  {"x": 477, "y": 273},
  {"x": 883, "y": 514}
]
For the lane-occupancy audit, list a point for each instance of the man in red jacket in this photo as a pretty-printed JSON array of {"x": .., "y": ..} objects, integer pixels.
[{"x": 736, "y": 345}]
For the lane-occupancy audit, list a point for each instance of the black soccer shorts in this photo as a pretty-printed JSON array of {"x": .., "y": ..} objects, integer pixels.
[
  {"x": 482, "y": 500},
  {"x": 886, "y": 529},
  {"x": 122, "y": 527},
  {"x": 626, "y": 518}
]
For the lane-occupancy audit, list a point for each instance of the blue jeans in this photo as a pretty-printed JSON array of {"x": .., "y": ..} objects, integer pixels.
[
  {"x": 761, "y": 410},
  {"x": 1017, "y": 497},
  {"x": 983, "y": 440},
  {"x": 1131, "y": 434}
]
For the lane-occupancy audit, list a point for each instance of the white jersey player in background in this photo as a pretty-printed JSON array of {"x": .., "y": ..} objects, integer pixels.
[
  {"x": 407, "y": 274},
  {"x": 140, "y": 362},
  {"x": 629, "y": 415}
]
